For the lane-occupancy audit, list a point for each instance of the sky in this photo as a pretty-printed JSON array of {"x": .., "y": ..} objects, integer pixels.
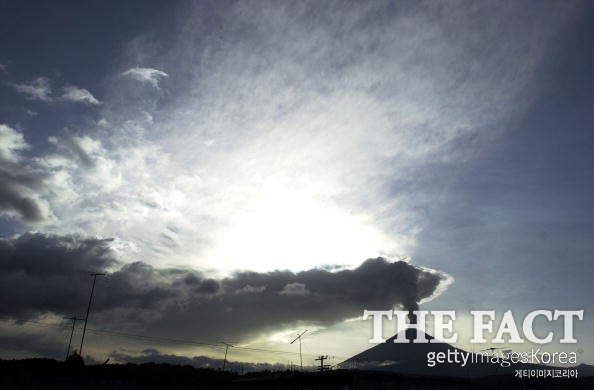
[{"x": 244, "y": 171}]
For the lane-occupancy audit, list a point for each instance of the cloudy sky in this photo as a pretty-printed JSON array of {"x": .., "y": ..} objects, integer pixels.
[{"x": 247, "y": 170}]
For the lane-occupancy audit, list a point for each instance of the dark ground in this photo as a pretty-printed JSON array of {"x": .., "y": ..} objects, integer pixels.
[{"x": 52, "y": 374}]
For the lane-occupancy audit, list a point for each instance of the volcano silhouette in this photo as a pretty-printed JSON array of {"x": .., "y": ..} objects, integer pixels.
[{"x": 411, "y": 358}]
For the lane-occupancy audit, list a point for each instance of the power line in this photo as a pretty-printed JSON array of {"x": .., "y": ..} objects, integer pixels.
[
  {"x": 167, "y": 339},
  {"x": 126, "y": 335}
]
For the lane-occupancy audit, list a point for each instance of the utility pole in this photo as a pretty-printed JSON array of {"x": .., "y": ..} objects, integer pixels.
[
  {"x": 227, "y": 345},
  {"x": 94, "y": 275},
  {"x": 299, "y": 337},
  {"x": 74, "y": 319},
  {"x": 321, "y": 358}
]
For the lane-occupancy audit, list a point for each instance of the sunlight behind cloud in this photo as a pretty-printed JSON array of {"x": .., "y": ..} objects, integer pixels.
[
  {"x": 307, "y": 148},
  {"x": 296, "y": 231}
]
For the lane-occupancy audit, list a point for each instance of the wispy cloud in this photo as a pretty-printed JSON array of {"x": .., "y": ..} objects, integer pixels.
[
  {"x": 36, "y": 89},
  {"x": 41, "y": 89},
  {"x": 79, "y": 95},
  {"x": 146, "y": 75},
  {"x": 315, "y": 135}
]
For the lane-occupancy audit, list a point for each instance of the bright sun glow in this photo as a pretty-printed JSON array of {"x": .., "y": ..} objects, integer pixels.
[{"x": 296, "y": 231}]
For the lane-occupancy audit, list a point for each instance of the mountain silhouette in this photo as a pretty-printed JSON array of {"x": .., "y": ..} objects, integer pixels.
[{"x": 411, "y": 358}]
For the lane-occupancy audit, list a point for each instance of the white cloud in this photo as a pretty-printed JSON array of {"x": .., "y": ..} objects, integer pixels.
[
  {"x": 36, "y": 89},
  {"x": 12, "y": 143},
  {"x": 295, "y": 289},
  {"x": 146, "y": 75},
  {"x": 22, "y": 184},
  {"x": 79, "y": 95},
  {"x": 299, "y": 143}
]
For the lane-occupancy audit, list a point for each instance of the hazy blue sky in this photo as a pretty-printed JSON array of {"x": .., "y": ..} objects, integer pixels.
[{"x": 176, "y": 143}]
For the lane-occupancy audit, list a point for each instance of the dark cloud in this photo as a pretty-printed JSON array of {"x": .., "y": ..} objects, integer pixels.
[
  {"x": 43, "y": 273},
  {"x": 48, "y": 273},
  {"x": 208, "y": 286}
]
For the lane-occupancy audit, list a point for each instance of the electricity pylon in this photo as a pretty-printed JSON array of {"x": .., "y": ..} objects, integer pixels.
[
  {"x": 299, "y": 337},
  {"x": 227, "y": 345},
  {"x": 74, "y": 319},
  {"x": 94, "y": 275}
]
